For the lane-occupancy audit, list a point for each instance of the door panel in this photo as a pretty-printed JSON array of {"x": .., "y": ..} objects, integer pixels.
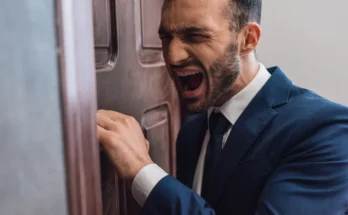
[
  {"x": 105, "y": 39},
  {"x": 132, "y": 79},
  {"x": 156, "y": 123},
  {"x": 150, "y": 20}
]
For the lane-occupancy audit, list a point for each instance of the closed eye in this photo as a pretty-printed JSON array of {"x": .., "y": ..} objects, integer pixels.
[
  {"x": 165, "y": 36},
  {"x": 196, "y": 37}
]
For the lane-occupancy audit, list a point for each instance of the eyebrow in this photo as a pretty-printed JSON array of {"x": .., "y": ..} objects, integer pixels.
[{"x": 185, "y": 30}]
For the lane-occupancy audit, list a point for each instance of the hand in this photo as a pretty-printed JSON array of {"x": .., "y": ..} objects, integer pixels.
[{"x": 124, "y": 143}]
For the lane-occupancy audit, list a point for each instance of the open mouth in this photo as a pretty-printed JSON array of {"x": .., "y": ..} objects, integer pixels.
[{"x": 190, "y": 81}]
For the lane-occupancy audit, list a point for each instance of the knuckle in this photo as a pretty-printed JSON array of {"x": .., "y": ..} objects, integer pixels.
[
  {"x": 123, "y": 120},
  {"x": 128, "y": 120},
  {"x": 131, "y": 119}
]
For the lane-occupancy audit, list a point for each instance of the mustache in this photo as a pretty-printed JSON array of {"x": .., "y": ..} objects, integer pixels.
[{"x": 189, "y": 62}]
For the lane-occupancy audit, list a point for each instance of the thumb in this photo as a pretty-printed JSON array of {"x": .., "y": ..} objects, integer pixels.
[{"x": 147, "y": 144}]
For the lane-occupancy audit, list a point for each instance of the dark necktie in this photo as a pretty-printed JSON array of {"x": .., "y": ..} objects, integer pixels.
[{"x": 218, "y": 125}]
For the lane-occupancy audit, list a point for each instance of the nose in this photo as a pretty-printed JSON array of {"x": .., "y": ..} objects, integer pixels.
[{"x": 177, "y": 54}]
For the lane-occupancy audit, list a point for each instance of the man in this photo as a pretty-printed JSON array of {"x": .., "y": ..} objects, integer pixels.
[{"x": 257, "y": 144}]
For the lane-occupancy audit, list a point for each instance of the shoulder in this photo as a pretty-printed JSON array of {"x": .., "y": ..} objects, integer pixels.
[
  {"x": 313, "y": 163},
  {"x": 320, "y": 125},
  {"x": 311, "y": 110}
]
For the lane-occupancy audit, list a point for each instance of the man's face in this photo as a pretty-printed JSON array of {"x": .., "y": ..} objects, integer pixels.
[{"x": 200, "y": 50}]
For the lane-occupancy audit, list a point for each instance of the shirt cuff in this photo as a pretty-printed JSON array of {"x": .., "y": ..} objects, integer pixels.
[{"x": 145, "y": 181}]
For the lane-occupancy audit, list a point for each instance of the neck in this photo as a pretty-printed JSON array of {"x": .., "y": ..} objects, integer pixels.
[{"x": 248, "y": 70}]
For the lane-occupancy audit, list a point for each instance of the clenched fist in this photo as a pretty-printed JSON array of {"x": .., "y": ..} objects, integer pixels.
[{"x": 124, "y": 142}]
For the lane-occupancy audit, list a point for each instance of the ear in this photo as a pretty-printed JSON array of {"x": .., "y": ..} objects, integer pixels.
[{"x": 249, "y": 38}]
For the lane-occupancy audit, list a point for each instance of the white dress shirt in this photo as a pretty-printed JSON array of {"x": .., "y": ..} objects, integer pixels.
[{"x": 150, "y": 175}]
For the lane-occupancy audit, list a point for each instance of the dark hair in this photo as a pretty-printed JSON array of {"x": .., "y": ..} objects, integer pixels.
[{"x": 243, "y": 11}]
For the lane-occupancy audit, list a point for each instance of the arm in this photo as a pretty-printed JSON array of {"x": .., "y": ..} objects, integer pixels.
[
  {"x": 127, "y": 148},
  {"x": 313, "y": 176},
  {"x": 159, "y": 193},
  {"x": 170, "y": 197}
]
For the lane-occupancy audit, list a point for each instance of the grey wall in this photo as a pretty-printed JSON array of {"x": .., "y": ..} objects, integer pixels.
[
  {"x": 308, "y": 39},
  {"x": 32, "y": 175}
]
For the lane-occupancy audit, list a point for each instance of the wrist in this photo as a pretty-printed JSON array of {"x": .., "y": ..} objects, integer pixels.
[
  {"x": 145, "y": 181},
  {"x": 139, "y": 167}
]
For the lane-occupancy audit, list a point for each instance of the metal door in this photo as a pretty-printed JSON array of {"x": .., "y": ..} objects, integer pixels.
[{"x": 132, "y": 79}]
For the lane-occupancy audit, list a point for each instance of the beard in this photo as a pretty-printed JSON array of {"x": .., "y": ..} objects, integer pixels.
[{"x": 224, "y": 72}]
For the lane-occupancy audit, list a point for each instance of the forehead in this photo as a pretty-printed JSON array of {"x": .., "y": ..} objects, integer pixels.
[{"x": 200, "y": 13}]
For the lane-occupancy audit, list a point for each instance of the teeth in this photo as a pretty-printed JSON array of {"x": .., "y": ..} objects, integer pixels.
[{"x": 183, "y": 74}]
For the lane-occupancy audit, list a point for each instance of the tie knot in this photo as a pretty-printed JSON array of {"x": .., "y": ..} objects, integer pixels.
[{"x": 218, "y": 123}]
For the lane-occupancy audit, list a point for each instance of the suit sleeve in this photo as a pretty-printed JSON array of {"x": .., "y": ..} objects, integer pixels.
[
  {"x": 313, "y": 176},
  {"x": 170, "y": 197}
]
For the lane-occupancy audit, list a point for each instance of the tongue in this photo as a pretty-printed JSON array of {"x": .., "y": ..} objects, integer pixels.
[{"x": 194, "y": 81}]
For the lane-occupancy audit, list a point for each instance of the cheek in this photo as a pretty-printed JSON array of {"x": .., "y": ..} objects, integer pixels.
[
  {"x": 207, "y": 52},
  {"x": 210, "y": 81},
  {"x": 205, "y": 55}
]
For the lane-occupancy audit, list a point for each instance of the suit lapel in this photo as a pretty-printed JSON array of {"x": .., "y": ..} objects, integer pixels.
[
  {"x": 191, "y": 147},
  {"x": 248, "y": 128}
]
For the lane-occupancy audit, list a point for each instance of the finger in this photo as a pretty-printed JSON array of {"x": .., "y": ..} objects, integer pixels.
[
  {"x": 113, "y": 115},
  {"x": 147, "y": 144},
  {"x": 103, "y": 135},
  {"x": 104, "y": 121}
]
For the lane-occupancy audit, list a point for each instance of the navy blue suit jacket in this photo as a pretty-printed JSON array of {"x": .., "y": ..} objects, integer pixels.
[{"x": 287, "y": 154}]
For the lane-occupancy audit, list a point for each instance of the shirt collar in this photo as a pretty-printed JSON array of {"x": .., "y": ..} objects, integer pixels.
[{"x": 234, "y": 107}]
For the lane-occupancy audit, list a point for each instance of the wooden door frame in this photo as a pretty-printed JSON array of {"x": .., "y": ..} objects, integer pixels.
[{"x": 74, "y": 24}]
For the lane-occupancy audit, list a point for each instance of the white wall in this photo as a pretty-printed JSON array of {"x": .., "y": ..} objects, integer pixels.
[
  {"x": 32, "y": 161},
  {"x": 308, "y": 39}
]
